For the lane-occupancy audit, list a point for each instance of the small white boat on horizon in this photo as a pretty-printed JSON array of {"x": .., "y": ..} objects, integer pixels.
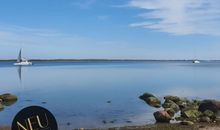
[
  {"x": 22, "y": 62},
  {"x": 196, "y": 61}
]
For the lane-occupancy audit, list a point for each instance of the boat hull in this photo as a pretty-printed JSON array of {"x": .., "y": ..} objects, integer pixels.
[
  {"x": 23, "y": 63},
  {"x": 196, "y": 62}
]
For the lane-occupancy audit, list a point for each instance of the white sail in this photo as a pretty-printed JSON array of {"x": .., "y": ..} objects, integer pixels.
[{"x": 19, "y": 57}]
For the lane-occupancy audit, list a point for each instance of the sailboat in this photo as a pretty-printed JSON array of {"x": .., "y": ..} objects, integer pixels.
[
  {"x": 21, "y": 61},
  {"x": 196, "y": 61}
]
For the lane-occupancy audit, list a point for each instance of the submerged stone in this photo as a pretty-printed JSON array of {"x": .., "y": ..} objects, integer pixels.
[{"x": 162, "y": 116}]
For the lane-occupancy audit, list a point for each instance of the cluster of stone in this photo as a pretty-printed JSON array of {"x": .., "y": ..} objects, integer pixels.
[{"x": 182, "y": 110}]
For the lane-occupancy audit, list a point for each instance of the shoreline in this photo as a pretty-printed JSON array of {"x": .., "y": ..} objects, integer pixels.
[{"x": 159, "y": 126}]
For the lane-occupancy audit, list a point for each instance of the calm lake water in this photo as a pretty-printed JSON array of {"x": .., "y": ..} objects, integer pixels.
[{"x": 77, "y": 92}]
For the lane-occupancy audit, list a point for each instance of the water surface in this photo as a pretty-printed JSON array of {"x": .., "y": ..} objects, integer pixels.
[{"x": 77, "y": 92}]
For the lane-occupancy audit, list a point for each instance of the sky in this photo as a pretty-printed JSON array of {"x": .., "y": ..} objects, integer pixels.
[{"x": 112, "y": 29}]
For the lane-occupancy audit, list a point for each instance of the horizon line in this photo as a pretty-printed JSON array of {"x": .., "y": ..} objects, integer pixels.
[{"x": 106, "y": 59}]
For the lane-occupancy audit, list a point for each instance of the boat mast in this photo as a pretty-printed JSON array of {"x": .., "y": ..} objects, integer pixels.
[{"x": 19, "y": 56}]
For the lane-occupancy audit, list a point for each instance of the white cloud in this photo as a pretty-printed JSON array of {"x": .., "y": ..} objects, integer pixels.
[{"x": 179, "y": 17}]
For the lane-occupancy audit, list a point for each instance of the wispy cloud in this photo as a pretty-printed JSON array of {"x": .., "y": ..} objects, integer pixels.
[{"x": 179, "y": 17}]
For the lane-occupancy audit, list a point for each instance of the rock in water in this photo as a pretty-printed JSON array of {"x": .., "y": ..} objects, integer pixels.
[
  {"x": 8, "y": 97},
  {"x": 162, "y": 116},
  {"x": 212, "y": 105},
  {"x": 151, "y": 100}
]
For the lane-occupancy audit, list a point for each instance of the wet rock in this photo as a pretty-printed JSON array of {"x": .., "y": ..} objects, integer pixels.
[
  {"x": 212, "y": 105},
  {"x": 187, "y": 123},
  {"x": 191, "y": 114},
  {"x": 205, "y": 119},
  {"x": 8, "y": 97},
  {"x": 151, "y": 100},
  {"x": 162, "y": 116},
  {"x": 171, "y": 104}
]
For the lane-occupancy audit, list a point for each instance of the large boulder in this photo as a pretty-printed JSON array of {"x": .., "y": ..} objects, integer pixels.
[
  {"x": 212, "y": 105},
  {"x": 151, "y": 100},
  {"x": 8, "y": 97},
  {"x": 162, "y": 116}
]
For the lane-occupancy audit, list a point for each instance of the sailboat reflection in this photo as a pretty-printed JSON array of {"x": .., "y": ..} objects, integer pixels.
[{"x": 19, "y": 73}]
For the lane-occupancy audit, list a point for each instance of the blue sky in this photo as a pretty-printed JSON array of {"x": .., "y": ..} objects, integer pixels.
[{"x": 127, "y": 29}]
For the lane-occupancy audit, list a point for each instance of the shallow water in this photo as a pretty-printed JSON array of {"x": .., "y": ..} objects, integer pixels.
[{"x": 77, "y": 92}]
